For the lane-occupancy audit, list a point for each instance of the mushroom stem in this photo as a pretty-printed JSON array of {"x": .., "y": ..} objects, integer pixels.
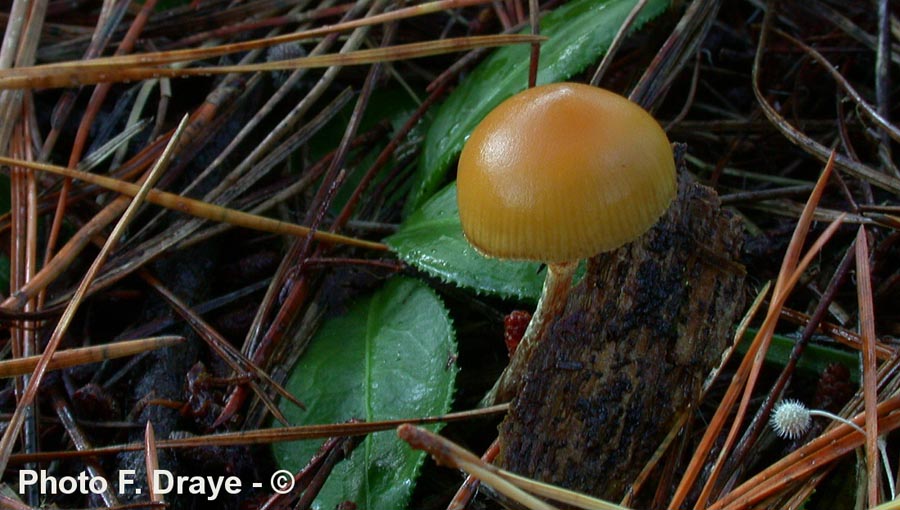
[{"x": 553, "y": 300}]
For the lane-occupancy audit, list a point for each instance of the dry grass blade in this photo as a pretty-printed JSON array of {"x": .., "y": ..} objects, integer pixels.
[
  {"x": 199, "y": 208},
  {"x": 886, "y": 220},
  {"x": 85, "y": 355},
  {"x": 739, "y": 333},
  {"x": 681, "y": 45},
  {"x": 792, "y": 210},
  {"x": 869, "y": 362},
  {"x": 20, "y": 42},
  {"x": 534, "y": 21},
  {"x": 268, "y": 436},
  {"x": 93, "y": 72},
  {"x": 16, "y": 421}
]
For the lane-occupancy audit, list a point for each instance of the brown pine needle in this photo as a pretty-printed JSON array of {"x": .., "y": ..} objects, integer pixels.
[
  {"x": 677, "y": 427},
  {"x": 267, "y": 436},
  {"x": 228, "y": 353},
  {"x": 869, "y": 362},
  {"x": 858, "y": 99},
  {"x": 113, "y": 70},
  {"x": 757, "y": 352},
  {"x": 814, "y": 148},
  {"x": 17, "y": 420},
  {"x": 572, "y": 498},
  {"x": 85, "y": 355},
  {"x": 807, "y": 459},
  {"x": 151, "y": 460},
  {"x": 511, "y": 485},
  {"x": 449, "y": 454},
  {"x": 469, "y": 488},
  {"x": 840, "y": 334},
  {"x": 192, "y": 54},
  {"x": 198, "y": 208},
  {"x": 795, "y": 247},
  {"x": 744, "y": 378}
]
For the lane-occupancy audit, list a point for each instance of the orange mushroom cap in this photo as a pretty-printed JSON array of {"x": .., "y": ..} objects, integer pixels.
[{"x": 562, "y": 172}]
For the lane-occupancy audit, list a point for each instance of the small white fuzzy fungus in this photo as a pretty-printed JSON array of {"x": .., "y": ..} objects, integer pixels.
[{"x": 790, "y": 419}]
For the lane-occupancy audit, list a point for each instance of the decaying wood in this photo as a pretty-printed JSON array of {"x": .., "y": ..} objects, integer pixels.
[{"x": 638, "y": 337}]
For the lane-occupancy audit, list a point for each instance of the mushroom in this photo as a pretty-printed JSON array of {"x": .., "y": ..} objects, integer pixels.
[{"x": 555, "y": 174}]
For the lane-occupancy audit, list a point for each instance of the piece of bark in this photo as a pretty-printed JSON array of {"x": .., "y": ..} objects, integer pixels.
[{"x": 638, "y": 337}]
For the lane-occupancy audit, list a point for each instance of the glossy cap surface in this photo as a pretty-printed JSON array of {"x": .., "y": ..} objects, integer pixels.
[{"x": 562, "y": 172}]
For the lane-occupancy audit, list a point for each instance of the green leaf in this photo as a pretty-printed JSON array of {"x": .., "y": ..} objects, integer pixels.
[
  {"x": 431, "y": 240},
  {"x": 579, "y": 32},
  {"x": 386, "y": 358}
]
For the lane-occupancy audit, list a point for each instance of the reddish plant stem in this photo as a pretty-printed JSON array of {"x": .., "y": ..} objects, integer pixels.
[{"x": 533, "y": 13}]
